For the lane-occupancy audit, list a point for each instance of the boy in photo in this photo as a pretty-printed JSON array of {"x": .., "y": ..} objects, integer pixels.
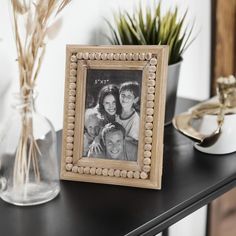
[
  {"x": 92, "y": 127},
  {"x": 129, "y": 118}
]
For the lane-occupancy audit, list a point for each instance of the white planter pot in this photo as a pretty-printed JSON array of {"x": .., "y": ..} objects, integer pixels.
[{"x": 171, "y": 91}]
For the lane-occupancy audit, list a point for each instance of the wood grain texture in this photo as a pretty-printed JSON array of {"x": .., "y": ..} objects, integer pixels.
[
  {"x": 223, "y": 215},
  {"x": 222, "y": 211},
  {"x": 223, "y": 39}
]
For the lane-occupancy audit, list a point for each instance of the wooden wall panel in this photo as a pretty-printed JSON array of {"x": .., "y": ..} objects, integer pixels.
[
  {"x": 223, "y": 39},
  {"x": 222, "y": 211},
  {"x": 222, "y": 217}
]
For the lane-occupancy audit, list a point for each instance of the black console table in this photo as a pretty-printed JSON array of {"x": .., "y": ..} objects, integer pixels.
[{"x": 190, "y": 180}]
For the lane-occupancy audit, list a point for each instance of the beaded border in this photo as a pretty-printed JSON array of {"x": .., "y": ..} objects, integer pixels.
[{"x": 151, "y": 83}]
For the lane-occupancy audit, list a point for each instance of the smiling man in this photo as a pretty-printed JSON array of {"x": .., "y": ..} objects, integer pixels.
[{"x": 116, "y": 147}]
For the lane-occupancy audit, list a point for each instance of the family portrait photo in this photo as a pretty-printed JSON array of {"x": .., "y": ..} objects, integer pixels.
[{"x": 112, "y": 114}]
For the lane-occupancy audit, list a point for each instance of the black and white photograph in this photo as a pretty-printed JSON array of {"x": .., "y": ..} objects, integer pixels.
[{"x": 112, "y": 114}]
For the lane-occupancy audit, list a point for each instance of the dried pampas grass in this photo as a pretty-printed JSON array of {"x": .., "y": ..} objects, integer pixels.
[{"x": 33, "y": 22}]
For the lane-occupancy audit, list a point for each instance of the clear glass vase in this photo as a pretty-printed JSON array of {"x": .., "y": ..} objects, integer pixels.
[{"x": 29, "y": 173}]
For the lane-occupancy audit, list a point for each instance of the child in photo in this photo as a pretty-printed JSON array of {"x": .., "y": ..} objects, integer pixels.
[
  {"x": 129, "y": 118},
  {"x": 108, "y": 104},
  {"x": 93, "y": 124},
  {"x": 108, "y": 107}
]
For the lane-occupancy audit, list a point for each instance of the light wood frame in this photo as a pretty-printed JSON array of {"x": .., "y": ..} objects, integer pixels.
[{"x": 146, "y": 172}]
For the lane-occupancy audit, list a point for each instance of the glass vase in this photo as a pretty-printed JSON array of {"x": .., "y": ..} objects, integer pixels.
[{"x": 29, "y": 173}]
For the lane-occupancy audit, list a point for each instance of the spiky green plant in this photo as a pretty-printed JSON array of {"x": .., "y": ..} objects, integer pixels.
[{"x": 149, "y": 27}]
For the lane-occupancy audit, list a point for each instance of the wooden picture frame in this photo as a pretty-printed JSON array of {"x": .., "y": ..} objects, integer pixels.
[{"x": 88, "y": 70}]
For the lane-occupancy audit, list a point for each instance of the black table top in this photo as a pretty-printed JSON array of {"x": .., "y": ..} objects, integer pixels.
[{"x": 190, "y": 180}]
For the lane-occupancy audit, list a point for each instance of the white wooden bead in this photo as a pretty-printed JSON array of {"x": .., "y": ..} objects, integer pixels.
[
  {"x": 69, "y": 166},
  {"x": 143, "y": 175},
  {"x": 151, "y": 89},
  {"x": 136, "y": 174},
  {"x": 71, "y": 99},
  {"x": 150, "y": 104},
  {"x": 92, "y": 171},
  {"x": 148, "y": 133},
  {"x": 98, "y": 171},
  {"x": 71, "y": 105},
  {"x": 148, "y": 140},
  {"x": 141, "y": 56},
  {"x": 123, "y": 173},
  {"x": 151, "y": 82},
  {"x": 147, "y": 161},
  {"x": 85, "y": 55},
  {"x": 79, "y": 55},
  {"x": 87, "y": 170},
  {"x": 105, "y": 172},
  {"x": 91, "y": 56},
  {"x": 117, "y": 173},
  {"x": 122, "y": 56},
  {"x": 135, "y": 56},
  {"x": 152, "y": 69},
  {"x": 117, "y": 56},
  {"x": 72, "y": 92},
  {"x": 110, "y": 56},
  {"x": 71, "y": 112},
  {"x": 75, "y": 169},
  {"x": 73, "y": 58},
  {"x": 147, "y": 154},
  {"x": 104, "y": 56},
  {"x": 72, "y": 85},
  {"x": 149, "y": 119},
  {"x": 148, "y": 147},
  {"x": 72, "y": 79},
  {"x": 69, "y": 159},
  {"x": 149, "y": 125},
  {"x": 73, "y": 72},
  {"x": 148, "y": 56},
  {"x": 70, "y": 126},
  {"x": 130, "y": 174},
  {"x": 129, "y": 56},
  {"x": 150, "y": 111},
  {"x": 81, "y": 169},
  {"x": 73, "y": 65},
  {"x": 69, "y": 139},
  {"x": 150, "y": 97},
  {"x": 69, "y": 146},
  {"x": 97, "y": 55},
  {"x": 71, "y": 119},
  {"x": 111, "y": 172},
  {"x": 70, "y": 132},
  {"x": 153, "y": 61},
  {"x": 151, "y": 76},
  {"x": 69, "y": 153},
  {"x": 146, "y": 168}
]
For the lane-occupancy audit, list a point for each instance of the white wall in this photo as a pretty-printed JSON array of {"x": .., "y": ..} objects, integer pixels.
[
  {"x": 192, "y": 225},
  {"x": 82, "y": 24}
]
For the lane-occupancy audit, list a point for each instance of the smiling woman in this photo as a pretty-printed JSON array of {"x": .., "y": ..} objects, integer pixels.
[{"x": 108, "y": 102}]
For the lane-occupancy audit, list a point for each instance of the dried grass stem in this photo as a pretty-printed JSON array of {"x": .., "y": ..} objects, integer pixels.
[{"x": 32, "y": 20}]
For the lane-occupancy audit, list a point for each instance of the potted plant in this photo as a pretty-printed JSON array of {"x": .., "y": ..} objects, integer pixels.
[{"x": 149, "y": 27}]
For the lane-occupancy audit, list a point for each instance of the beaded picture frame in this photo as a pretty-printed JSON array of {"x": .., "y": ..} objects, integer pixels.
[{"x": 100, "y": 148}]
